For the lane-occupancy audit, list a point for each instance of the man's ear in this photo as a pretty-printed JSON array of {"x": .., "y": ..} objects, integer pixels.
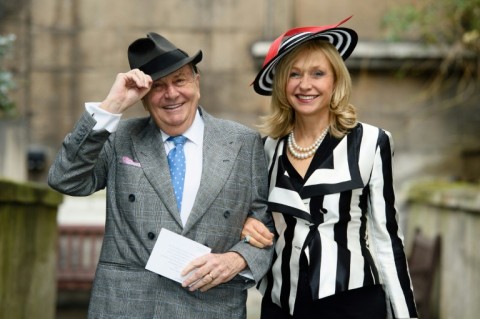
[{"x": 144, "y": 103}]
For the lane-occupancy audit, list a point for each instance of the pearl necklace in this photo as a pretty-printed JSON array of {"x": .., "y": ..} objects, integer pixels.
[{"x": 304, "y": 152}]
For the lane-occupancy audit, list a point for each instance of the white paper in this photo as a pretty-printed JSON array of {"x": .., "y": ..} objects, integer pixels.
[{"x": 172, "y": 253}]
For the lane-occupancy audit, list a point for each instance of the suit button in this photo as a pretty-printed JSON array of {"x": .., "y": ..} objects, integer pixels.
[
  {"x": 151, "y": 235},
  {"x": 131, "y": 198},
  {"x": 226, "y": 214}
]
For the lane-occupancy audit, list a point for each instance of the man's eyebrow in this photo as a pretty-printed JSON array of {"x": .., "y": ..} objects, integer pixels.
[
  {"x": 181, "y": 73},
  {"x": 173, "y": 75}
]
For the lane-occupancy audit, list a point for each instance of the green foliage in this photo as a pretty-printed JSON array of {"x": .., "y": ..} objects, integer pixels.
[
  {"x": 451, "y": 24},
  {"x": 7, "y": 106},
  {"x": 445, "y": 22}
]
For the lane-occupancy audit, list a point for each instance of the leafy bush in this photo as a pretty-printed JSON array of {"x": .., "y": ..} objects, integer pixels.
[
  {"x": 445, "y": 22},
  {"x": 451, "y": 24}
]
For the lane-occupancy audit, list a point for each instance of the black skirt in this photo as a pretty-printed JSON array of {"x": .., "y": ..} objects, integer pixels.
[{"x": 361, "y": 303}]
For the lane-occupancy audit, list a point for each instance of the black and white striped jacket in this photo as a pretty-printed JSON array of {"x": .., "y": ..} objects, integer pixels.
[{"x": 343, "y": 218}]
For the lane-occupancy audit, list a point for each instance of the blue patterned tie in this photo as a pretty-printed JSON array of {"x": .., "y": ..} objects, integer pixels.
[{"x": 176, "y": 161}]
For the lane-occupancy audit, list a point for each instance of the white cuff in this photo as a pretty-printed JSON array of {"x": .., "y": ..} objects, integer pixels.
[{"x": 105, "y": 120}]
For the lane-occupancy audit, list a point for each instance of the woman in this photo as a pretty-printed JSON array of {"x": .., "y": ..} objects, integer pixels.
[{"x": 339, "y": 249}]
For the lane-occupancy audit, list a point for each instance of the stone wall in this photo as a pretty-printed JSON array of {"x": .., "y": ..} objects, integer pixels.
[
  {"x": 28, "y": 234},
  {"x": 451, "y": 210},
  {"x": 68, "y": 52}
]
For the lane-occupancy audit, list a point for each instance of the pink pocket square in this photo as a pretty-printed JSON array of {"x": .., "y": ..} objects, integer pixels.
[{"x": 128, "y": 161}]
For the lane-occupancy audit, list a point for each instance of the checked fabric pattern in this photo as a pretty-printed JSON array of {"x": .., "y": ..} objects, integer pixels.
[{"x": 176, "y": 162}]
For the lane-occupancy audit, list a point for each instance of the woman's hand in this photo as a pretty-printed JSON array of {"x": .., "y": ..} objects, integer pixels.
[{"x": 256, "y": 233}]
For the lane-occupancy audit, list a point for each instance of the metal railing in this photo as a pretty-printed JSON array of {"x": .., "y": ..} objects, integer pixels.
[{"x": 78, "y": 254}]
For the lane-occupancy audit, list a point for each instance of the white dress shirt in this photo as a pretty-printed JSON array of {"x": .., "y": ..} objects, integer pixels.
[
  {"x": 194, "y": 159},
  {"x": 193, "y": 151}
]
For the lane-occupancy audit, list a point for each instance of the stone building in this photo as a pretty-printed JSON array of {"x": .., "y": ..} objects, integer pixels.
[{"x": 68, "y": 52}]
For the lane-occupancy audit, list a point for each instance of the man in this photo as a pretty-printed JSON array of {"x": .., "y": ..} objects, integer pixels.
[{"x": 225, "y": 181}]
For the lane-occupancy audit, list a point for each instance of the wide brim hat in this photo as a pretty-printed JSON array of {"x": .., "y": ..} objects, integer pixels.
[
  {"x": 158, "y": 57},
  {"x": 343, "y": 39}
]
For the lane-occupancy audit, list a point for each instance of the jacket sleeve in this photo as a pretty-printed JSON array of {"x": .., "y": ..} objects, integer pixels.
[
  {"x": 386, "y": 237},
  {"x": 258, "y": 260},
  {"x": 80, "y": 167}
]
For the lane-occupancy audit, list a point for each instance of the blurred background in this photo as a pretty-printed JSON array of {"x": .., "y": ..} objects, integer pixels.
[{"x": 415, "y": 73}]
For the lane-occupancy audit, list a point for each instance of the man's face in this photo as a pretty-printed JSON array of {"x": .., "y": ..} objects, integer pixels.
[{"x": 173, "y": 100}]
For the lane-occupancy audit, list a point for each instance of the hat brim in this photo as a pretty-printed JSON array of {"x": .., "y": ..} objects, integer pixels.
[
  {"x": 343, "y": 39},
  {"x": 194, "y": 59}
]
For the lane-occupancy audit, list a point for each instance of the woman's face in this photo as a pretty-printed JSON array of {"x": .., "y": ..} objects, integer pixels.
[{"x": 310, "y": 84}]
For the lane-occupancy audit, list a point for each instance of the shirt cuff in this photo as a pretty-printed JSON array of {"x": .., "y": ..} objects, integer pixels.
[
  {"x": 105, "y": 120},
  {"x": 247, "y": 273}
]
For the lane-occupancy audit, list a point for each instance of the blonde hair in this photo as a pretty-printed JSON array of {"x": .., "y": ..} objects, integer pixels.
[{"x": 343, "y": 115}]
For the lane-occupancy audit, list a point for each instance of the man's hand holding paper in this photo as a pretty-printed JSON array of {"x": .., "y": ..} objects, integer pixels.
[
  {"x": 191, "y": 263},
  {"x": 211, "y": 270}
]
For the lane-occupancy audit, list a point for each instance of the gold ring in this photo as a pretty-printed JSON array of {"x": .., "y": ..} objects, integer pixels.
[{"x": 211, "y": 276}]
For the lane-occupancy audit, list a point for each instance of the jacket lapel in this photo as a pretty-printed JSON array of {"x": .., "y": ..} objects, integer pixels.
[
  {"x": 150, "y": 152},
  {"x": 282, "y": 195},
  {"x": 338, "y": 170},
  {"x": 334, "y": 169},
  {"x": 219, "y": 153}
]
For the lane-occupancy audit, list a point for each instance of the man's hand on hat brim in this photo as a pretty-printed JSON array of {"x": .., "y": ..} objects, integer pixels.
[{"x": 128, "y": 89}]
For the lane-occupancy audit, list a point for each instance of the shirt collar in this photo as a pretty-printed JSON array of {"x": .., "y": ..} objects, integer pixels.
[{"x": 194, "y": 133}]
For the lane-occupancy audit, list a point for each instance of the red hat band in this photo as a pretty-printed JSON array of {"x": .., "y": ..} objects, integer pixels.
[{"x": 274, "y": 47}]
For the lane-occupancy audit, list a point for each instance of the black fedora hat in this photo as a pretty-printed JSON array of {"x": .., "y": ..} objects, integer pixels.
[
  {"x": 343, "y": 39},
  {"x": 158, "y": 57}
]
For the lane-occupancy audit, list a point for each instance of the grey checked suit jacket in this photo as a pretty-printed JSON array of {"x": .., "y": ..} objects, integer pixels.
[{"x": 140, "y": 202}]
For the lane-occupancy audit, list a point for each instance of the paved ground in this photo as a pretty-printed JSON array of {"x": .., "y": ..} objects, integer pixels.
[
  {"x": 74, "y": 306},
  {"x": 253, "y": 304}
]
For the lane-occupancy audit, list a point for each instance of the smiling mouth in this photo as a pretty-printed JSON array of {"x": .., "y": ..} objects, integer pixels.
[
  {"x": 306, "y": 97},
  {"x": 173, "y": 106}
]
